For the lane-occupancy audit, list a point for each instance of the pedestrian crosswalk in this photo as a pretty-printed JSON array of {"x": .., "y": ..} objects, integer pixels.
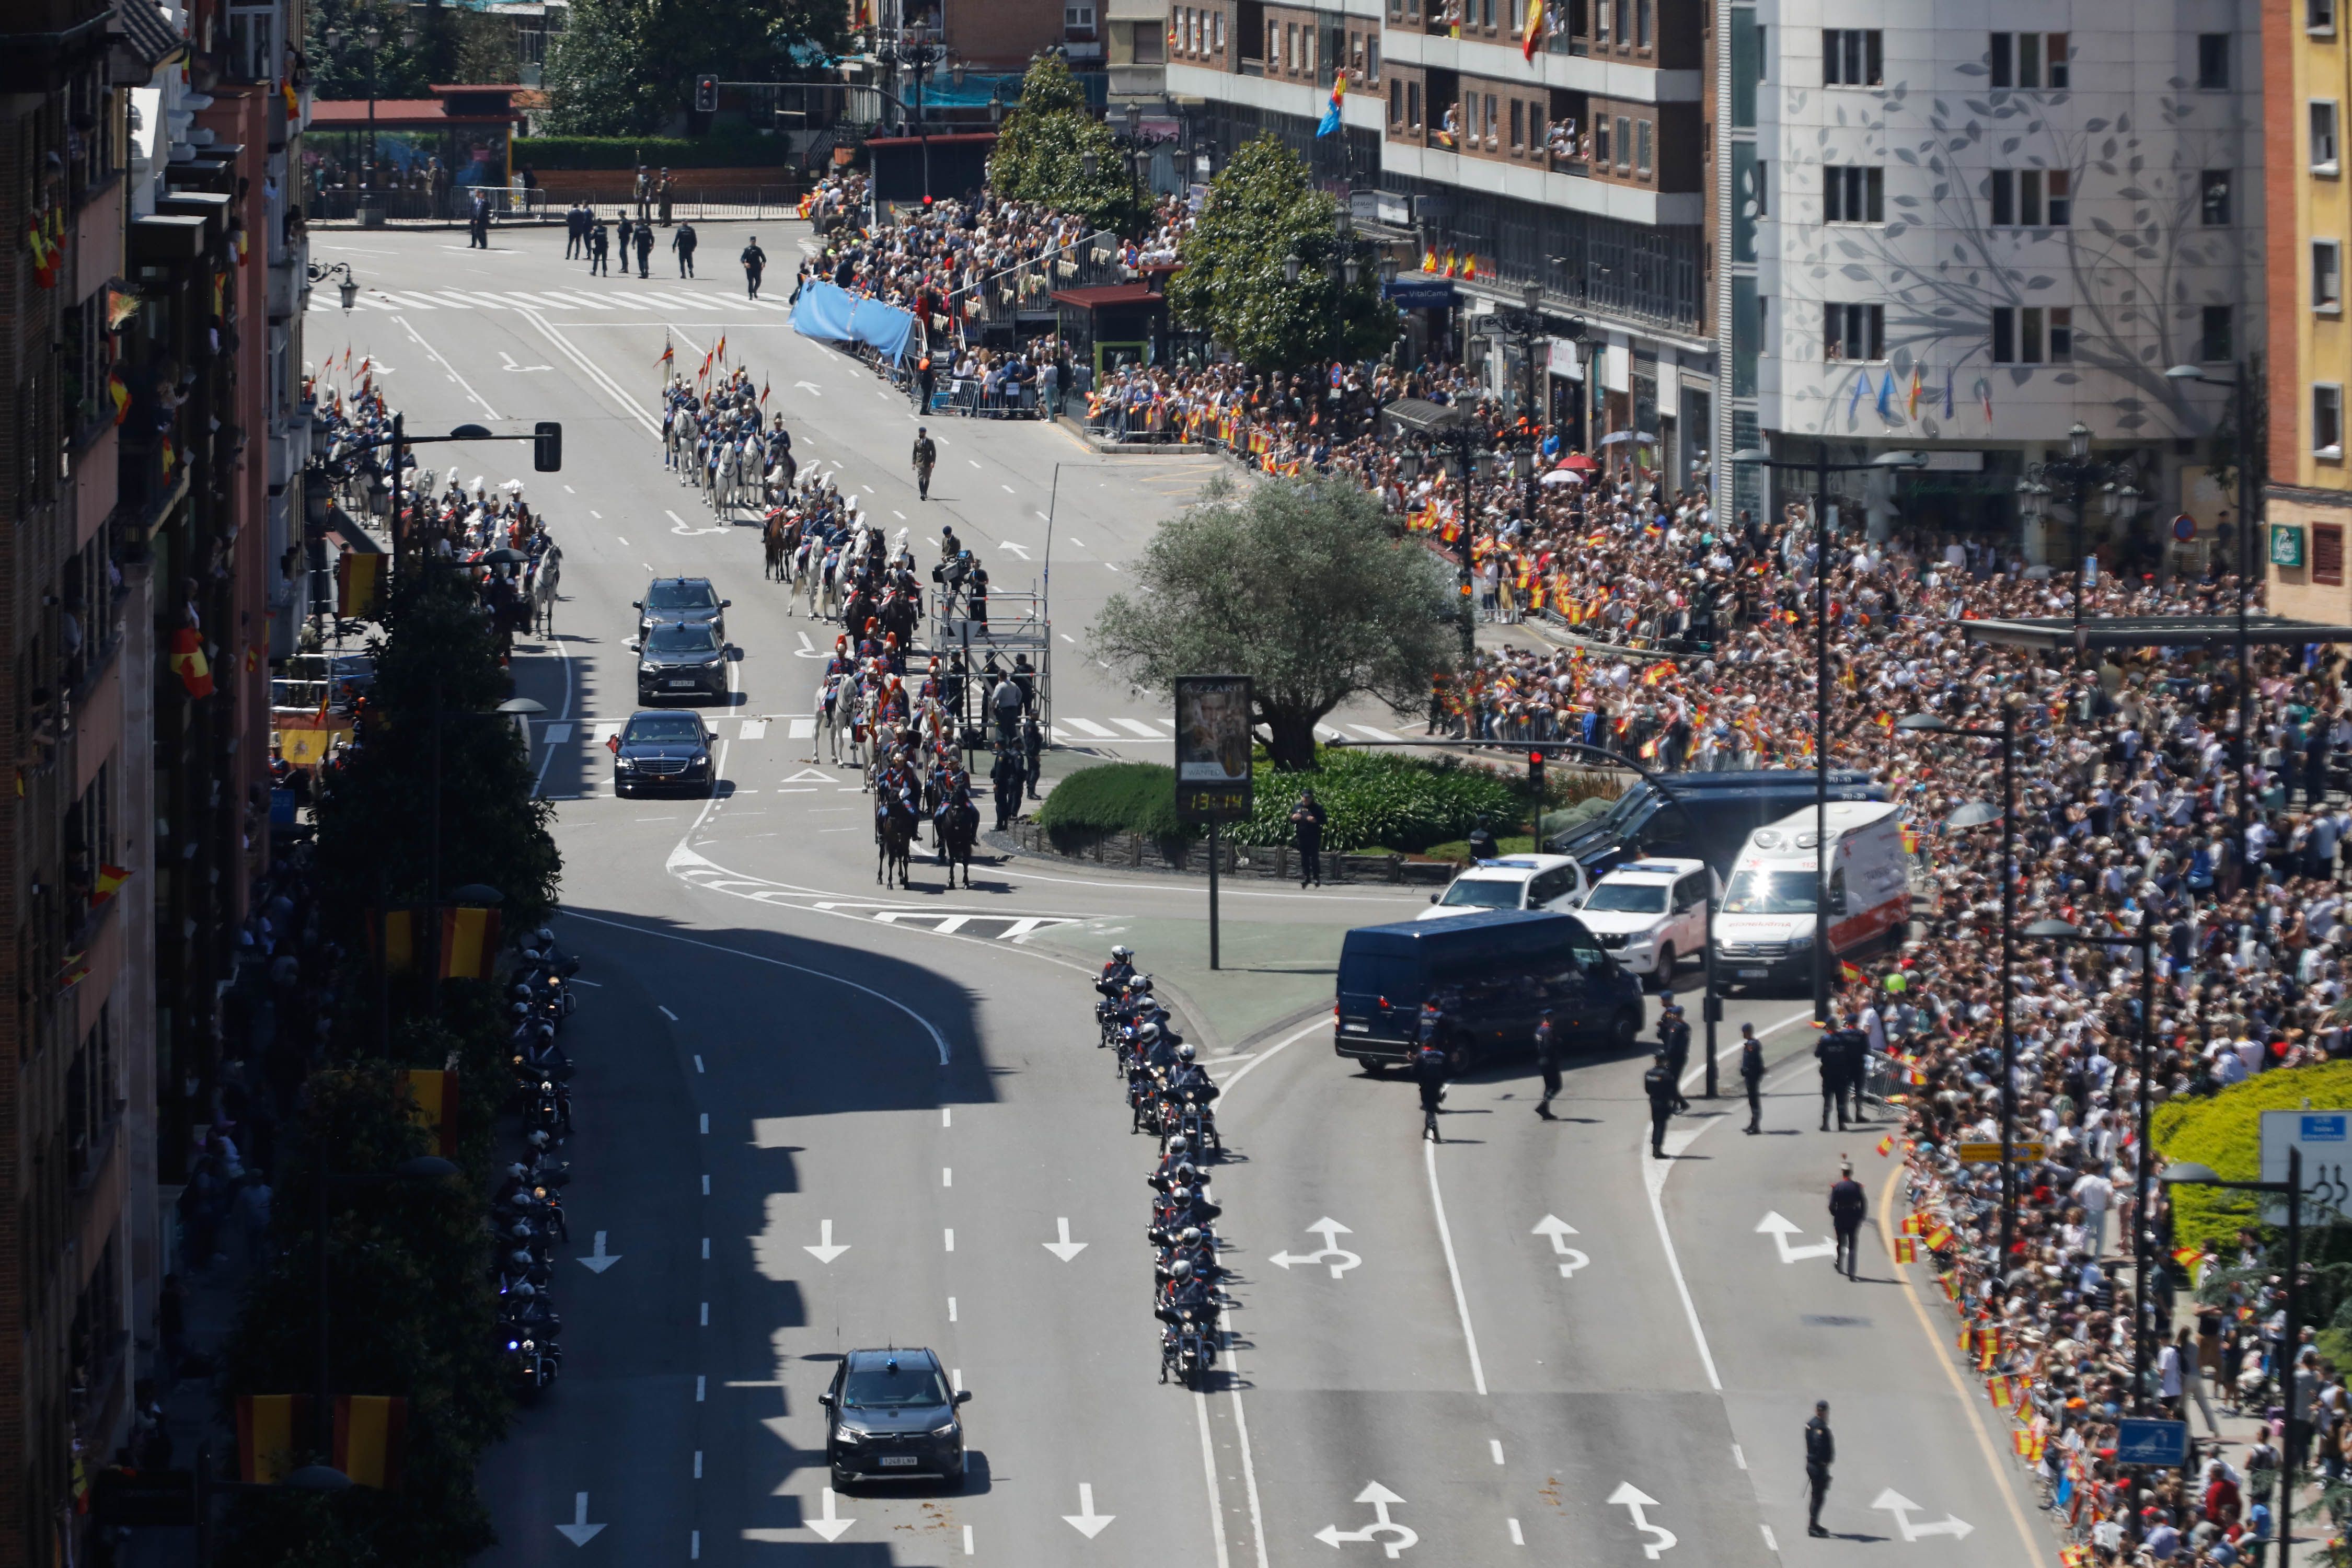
[{"x": 600, "y": 295}]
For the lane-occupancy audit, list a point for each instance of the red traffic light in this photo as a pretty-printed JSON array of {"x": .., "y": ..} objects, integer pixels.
[{"x": 1535, "y": 759}]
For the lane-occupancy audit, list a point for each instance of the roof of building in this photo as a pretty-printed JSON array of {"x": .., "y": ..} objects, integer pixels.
[{"x": 149, "y": 32}]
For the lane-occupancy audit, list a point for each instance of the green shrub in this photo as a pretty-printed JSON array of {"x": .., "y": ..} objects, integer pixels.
[
  {"x": 1117, "y": 798},
  {"x": 655, "y": 153},
  {"x": 1383, "y": 799},
  {"x": 2225, "y": 1131}
]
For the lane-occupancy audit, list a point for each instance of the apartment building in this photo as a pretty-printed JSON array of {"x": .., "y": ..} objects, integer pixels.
[
  {"x": 1584, "y": 172},
  {"x": 2308, "y": 351},
  {"x": 148, "y": 431},
  {"x": 1965, "y": 234}
]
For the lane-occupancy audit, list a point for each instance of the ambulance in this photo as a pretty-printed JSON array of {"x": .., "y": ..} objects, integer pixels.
[{"x": 1764, "y": 929}]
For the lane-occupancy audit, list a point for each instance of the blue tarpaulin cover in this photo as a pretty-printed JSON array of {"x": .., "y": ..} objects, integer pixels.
[{"x": 828, "y": 311}]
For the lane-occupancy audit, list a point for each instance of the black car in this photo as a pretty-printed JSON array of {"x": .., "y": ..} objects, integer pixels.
[
  {"x": 892, "y": 1417},
  {"x": 682, "y": 660},
  {"x": 1496, "y": 970},
  {"x": 681, "y": 601},
  {"x": 663, "y": 751}
]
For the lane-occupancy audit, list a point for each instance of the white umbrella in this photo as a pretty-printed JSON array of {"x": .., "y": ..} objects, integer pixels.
[{"x": 1562, "y": 477}]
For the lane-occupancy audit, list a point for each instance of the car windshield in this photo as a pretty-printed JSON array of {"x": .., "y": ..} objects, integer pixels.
[
  {"x": 1628, "y": 899},
  {"x": 904, "y": 1389},
  {"x": 1770, "y": 893},
  {"x": 1484, "y": 893},
  {"x": 682, "y": 596},
  {"x": 663, "y": 727},
  {"x": 700, "y": 638}
]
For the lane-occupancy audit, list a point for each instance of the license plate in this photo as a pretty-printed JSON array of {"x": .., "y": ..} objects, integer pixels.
[
  {"x": 1357, "y": 1028},
  {"x": 676, "y": 683},
  {"x": 892, "y": 1460},
  {"x": 1753, "y": 973}
]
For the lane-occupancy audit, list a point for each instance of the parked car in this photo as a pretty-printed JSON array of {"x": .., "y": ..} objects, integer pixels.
[
  {"x": 1513, "y": 882},
  {"x": 1650, "y": 915}
]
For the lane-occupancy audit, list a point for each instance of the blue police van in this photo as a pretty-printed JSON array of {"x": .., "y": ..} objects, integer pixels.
[{"x": 1496, "y": 971}]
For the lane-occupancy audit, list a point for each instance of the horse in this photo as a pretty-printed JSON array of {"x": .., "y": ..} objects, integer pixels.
[
  {"x": 894, "y": 831},
  {"x": 958, "y": 829},
  {"x": 771, "y": 540}
]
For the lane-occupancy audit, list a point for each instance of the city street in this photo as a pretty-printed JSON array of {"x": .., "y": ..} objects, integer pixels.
[{"x": 813, "y": 1118}]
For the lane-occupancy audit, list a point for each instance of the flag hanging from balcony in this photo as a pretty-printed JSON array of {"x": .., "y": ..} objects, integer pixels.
[
  {"x": 358, "y": 584},
  {"x": 470, "y": 941},
  {"x": 269, "y": 1426},
  {"x": 1534, "y": 32},
  {"x": 108, "y": 883},
  {"x": 434, "y": 1090},
  {"x": 189, "y": 663},
  {"x": 119, "y": 394},
  {"x": 394, "y": 935},
  {"x": 371, "y": 1435},
  {"x": 1330, "y": 121}
]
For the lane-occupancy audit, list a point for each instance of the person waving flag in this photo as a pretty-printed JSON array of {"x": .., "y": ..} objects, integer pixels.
[
  {"x": 1330, "y": 121},
  {"x": 1534, "y": 32}
]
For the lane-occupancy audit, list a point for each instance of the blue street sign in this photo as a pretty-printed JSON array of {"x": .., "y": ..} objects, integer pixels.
[{"x": 2141, "y": 1442}]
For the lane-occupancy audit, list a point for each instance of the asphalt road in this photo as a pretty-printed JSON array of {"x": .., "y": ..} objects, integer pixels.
[{"x": 814, "y": 1116}]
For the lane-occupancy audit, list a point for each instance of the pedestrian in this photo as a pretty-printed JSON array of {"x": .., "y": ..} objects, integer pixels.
[
  {"x": 1033, "y": 750},
  {"x": 1675, "y": 1044},
  {"x": 1429, "y": 1066},
  {"x": 1546, "y": 1063},
  {"x": 683, "y": 242},
  {"x": 1751, "y": 1073},
  {"x": 1658, "y": 1085},
  {"x": 667, "y": 194},
  {"x": 645, "y": 192},
  {"x": 575, "y": 232},
  {"x": 755, "y": 261},
  {"x": 1006, "y": 775},
  {"x": 645, "y": 251},
  {"x": 628, "y": 237},
  {"x": 1848, "y": 1208},
  {"x": 1307, "y": 819},
  {"x": 478, "y": 223},
  {"x": 1856, "y": 1046},
  {"x": 1004, "y": 701},
  {"x": 1821, "y": 1452},
  {"x": 1830, "y": 1052},
  {"x": 927, "y": 457}
]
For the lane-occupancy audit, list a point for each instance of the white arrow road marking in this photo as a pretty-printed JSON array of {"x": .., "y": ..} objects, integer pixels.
[
  {"x": 1635, "y": 1499},
  {"x": 807, "y": 775},
  {"x": 690, "y": 532},
  {"x": 1330, "y": 1230},
  {"x": 825, "y": 1251},
  {"x": 1780, "y": 1230},
  {"x": 1901, "y": 1507},
  {"x": 1008, "y": 545},
  {"x": 511, "y": 365},
  {"x": 579, "y": 1532},
  {"x": 1552, "y": 1225},
  {"x": 1087, "y": 1522},
  {"x": 810, "y": 650},
  {"x": 831, "y": 1525},
  {"x": 1067, "y": 1249},
  {"x": 811, "y": 388},
  {"x": 1380, "y": 1496},
  {"x": 599, "y": 1261}
]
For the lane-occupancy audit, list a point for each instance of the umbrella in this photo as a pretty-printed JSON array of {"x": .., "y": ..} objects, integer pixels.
[
  {"x": 1577, "y": 460},
  {"x": 1563, "y": 475},
  {"x": 505, "y": 557}
]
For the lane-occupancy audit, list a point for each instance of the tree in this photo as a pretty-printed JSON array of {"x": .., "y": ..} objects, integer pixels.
[
  {"x": 339, "y": 69},
  {"x": 626, "y": 68},
  {"x": 1261, "y": 210},
  {"x": 486, "y": 48},
  {"x": 1299, "y": 584},
  {"x": 1041, "y": 152}
]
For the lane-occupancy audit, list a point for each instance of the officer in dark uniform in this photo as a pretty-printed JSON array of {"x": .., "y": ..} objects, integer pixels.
[
  {"x": 1821, "y": 1452},
  {"x": 1033, "y": 749},
  {"x": 1546, "y": 1063},
  {"x": 1751, "y": 1073},
  {"x": 1848, "y": 1208},
  {"x": 1482, "y": 842},
  {"x": 1675, "y": 1043},
  {"x": 1429, "y": 1066},
  {"x": 1658, "y": 1084},
  {"x": 927, "y": 456},
  {"x": 1306, "y": 820},
  {"x": 1857, "y": 1062},
  {"x": 1006, "y": 774},
  {"x": 1830, "y": 1052}
]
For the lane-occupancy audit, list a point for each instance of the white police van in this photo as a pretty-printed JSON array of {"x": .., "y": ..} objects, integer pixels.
[{"x": 1650, "y": 915}]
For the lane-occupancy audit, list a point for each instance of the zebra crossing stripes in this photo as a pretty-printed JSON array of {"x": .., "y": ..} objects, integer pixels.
[{"x": 583, "y": 299}]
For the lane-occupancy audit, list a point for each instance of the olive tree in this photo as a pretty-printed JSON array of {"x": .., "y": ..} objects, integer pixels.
[{"x": 1298, "y": 584}]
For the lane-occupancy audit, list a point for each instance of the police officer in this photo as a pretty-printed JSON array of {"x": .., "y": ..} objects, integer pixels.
[
  {"x": 1751, "y": 1073},
  {"x": 684, "y": 242},
  {"x": 1033, "y": 750},
  {"x": 1658, "y": 1083},
  {"x": 927, "y": 456},
  {"x": 1429, "y": 1065},
  {"x": 1848, "y": 1208},
  {"x": 600, "y": 248},
  {"x": 1482, "y": 842},
  {"x": 1306, "y": 820},
  {"x": 1546, "y": 1063},
  {"x": 755, "y": 261},
  {"x": 1674, "y": 1044},
  {"x": 1856, "y": 1045},
  {"x": 1821, "y": 1452},
  {"x": 1006, "y": 775},
  {"x": 1830, "y": 1052}
]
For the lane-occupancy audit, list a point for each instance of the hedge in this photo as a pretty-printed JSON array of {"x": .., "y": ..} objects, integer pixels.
[
  {"x": 2225, "y": 1131},
  {"x": 655, "y": 153},
  {"x": 1117, "y": 798}
]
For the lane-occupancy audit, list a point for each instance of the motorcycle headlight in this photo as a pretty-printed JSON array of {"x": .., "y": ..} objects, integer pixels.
[
  {"x": 514, "y": 1345},
  {"x": 530, "y": 1345}
]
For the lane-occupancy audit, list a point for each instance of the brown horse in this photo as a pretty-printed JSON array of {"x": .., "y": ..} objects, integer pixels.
[
  {"x": 894, "y": 832},
  {"x": 959, "y": 828}
]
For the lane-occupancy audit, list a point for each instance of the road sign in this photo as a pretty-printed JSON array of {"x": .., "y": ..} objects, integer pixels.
[
  {"x": 2325, "y": 1138},
  {"x": 1988, "y": 1152},
  {"x": 2139, "y": 1442}
]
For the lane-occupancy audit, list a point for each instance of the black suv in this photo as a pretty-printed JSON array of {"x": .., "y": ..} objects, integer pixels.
[
  {"x": 681, "y": 601},
  {"x": 682, "y": 660},
  {"x": 892, "y": 1418},
  {"x": 663, "y": 751}
]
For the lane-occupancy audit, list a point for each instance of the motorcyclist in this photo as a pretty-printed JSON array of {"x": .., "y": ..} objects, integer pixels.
[
  {"x": 1159, "y": 1048},
  {"x": 1174, "y": 1159},
  {"x": 1189, "y": 1076},
  {"x": 1188, "y": 1295},
  {"x": 1117, "y": 973}
]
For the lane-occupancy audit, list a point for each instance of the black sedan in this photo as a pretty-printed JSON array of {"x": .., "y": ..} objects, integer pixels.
[
  {"x": 682, "y": 661},
  {"x": 663, "y": 751},
  {"x": 892, "y": 1417},
  {"x": 681, "y": 601}
]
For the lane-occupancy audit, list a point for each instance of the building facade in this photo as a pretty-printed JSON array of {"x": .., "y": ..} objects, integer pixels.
[{"x": 1962, "y": 232}]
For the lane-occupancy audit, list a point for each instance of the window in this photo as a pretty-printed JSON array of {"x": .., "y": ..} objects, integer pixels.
[
  {"x": 2029, "y": 60},
  {"x": 1492, "y": 139},
  {"x": 2214, "y": 198},
  {"x": 1601, "y": 23},
  {"x": 2056, "y": 68},
  {"x": 1600, "y": 141},
  {"x": 1624, "y": 21},
  {"x": 1396, "y": 103},
  {"x": 1853, "y": 57},
  {"x": 2328, "y": 422},
  {"x": 1078, "y": 18},
  {"x": 1290, "y": 47},
  {"x": 2213, "y": 62},
  {"x": 1640, "y": 24},
  {"x": 1373, "y": 58},
  {"x": 2033, "y": 334},
  {"x": 1852, "y": 196},
  {"x": 2213, "y": 344},
  {"x": 2319, "y": 15},
  {"x": 1148, "y": 39},
  {"x": 2061, "y": 196},
  {"x": 1625, "y": 143},
  {"x": 2327, "y": 275},
  {"x": 2327, "y": 553},
  {"x": 2323, "y": 136},
  {"x": 2061, "y": 334},
  {"x": 1642, "y": 131},
  {"x": 1217, "y": 38},
  {"x": 1853, "y": 333},
  {"x": 1412, "y": 104},
  {"x": 1519, "y": 138}
]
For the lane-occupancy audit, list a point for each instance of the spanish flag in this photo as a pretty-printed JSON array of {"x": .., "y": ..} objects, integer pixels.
[
  {"x": 1429, "y": 261},
  {"x": 293, "y": 104},
  {"x": 1850, "y": 975},
  {"x": 668, "y": 354},
  {"x": 271, "y": 1429},
  {"x": 119, "y": 393},
  {"x": 434, "y": 1090},
  {"x": 371, "y": 1434},
  {"x": 189, "y": 663},
  {"x": 1452, "y": 267},
  {"x": 1939, "y": 1237},
  {"x": 1534, "y": 32},
  {"x": 109, "y": 883},
  {"x": 1906, "y": 1250},
  {"x": 1886, "y": 1145},
  {"x": 469, "y": 942},
  {"x": 359, "y": 584},
  {"x": 394, "y": 937}
]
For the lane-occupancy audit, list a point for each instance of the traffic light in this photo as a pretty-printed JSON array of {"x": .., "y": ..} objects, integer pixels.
[
  {"x": 546, "y": 447},
  {"x": 706, "y": 95},
  {"x": 1535, "y": 775}
]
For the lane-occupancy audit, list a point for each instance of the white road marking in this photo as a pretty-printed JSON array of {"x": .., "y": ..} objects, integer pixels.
[
  {"x": 967, "y": 1540},
  {"x": 1208, "y": 1468},
  {"x": 705, "y": 1183},
  {"x": 951, "y": 1309},
  {"x": 706, "y": 1314},
  {"x": 755, "y": 729},
  {"x": 418, "y": 338},
  {"x": 706, "y": 1250},
  {"x": 1139, "y": 728},
  {"x": 701, "y": 1387},
  {"x": 706, "y": 1242},
  {"x": 1771, "y": 1543},
  {"x": 1517, "y": 1539},
  {"x": 947, "y": 1176},
  {"x": 802, "y": 730},
  {"x": 947, "y": 1117},
  {"x": 1496, "y": 1444},
  {"x": 697, "y": 1464},
  {"x": 1089, "y": 726},
  {"x": 1375, "y": 734},
  {"x": 951, "y": 1230},
  {"x": 1445, "y": 1238},
  {"x": 1064, "y": 1249},
  {"x": 706, "y": 1123},
  {"x": 667, "y": 1012},
  {"x": 826, "y": 1250}
]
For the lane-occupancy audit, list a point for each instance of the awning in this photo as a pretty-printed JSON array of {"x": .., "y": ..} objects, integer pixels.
[
  {"x": 146, "y": 32},
  {"x": 2156, "y": 631},
  {"x": 1101, "y": 294},
  {"x": 1420, "y": 293}
]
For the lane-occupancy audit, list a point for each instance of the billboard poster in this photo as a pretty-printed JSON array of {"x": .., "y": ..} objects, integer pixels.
[{"x": 1213, "y": 747}]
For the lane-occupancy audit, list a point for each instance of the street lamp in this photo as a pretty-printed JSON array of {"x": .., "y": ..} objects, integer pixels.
[
  {"x": 2237, "y": 387},
  {"x": 1822, "y": 468},
  {"x": 349, "y": 289},
  {"x": 2079, "y": 472},
  {"x": 2060, "y": 931},
  {"x": 1979, "y": 814},
  {"x": 915, "y": 53},
  {"x": 1292, "y": 265}
]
